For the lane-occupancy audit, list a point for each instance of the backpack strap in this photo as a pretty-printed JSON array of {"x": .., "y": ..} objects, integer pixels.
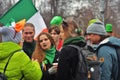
[{"x": 9, "y": 59}]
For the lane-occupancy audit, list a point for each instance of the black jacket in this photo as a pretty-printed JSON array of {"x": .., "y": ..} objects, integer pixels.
[
  {"x": 46, "y": 75},
  {"x": 68, "y": 59}
]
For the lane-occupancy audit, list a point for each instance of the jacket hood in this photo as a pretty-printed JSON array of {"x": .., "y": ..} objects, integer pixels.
[
  {"x": 6, "y": 48},
  {"x": 75, "y": 40},
  {"x": 111, "y": 41}
]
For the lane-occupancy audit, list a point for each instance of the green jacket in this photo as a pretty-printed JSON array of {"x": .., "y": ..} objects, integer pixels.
[{"x": 19, "y": 64}]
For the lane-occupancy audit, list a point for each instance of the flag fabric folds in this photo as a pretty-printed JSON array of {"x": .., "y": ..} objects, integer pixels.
[
  {"x": 38, "y": 21},
  {"x": 24, "y": 9}
]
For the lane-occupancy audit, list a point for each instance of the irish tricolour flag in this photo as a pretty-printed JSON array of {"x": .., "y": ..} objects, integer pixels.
[{"x": 24, "y": 9}]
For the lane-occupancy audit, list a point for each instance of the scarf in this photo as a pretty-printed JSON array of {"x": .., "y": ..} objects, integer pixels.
[
  {"x": 50, "y": 55},
  {"x": 74, "y": 40}
]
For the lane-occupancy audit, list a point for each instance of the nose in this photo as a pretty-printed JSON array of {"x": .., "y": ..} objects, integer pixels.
[
  {"x": 88, "y": 37},
  {"x": 52, "y": 35},
  {"x": 28, "y": 34}
]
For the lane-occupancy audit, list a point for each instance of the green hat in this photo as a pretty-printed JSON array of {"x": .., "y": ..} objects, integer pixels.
[
  {"x": 56, "y": 20},
  {"x": 108, "y": 27}
]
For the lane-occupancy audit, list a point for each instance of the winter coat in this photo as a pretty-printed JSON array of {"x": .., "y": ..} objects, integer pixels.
[
  {"x": 68, "y": 58},
  {"x": 107, "y": 53},
  {"x": 19, "y": 64}
]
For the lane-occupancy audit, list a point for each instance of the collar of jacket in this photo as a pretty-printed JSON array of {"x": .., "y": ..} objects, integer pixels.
[{"x": 75, "y": 40}]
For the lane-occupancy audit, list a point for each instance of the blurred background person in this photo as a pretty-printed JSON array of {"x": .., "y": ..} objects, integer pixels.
[
  {"x": 56, "y": 21},
  {"x": 55, "y": 33}
]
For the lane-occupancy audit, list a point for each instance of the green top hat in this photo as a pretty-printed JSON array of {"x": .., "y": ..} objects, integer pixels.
[
  {"x": 108, "y": 27},
  {"x": 56, "y": 20}
]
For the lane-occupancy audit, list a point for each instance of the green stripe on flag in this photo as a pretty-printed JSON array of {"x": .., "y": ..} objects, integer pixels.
[{"x": 24, "y": 9}]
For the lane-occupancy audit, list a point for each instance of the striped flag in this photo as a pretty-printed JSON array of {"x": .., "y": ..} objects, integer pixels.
[{"x": 24, "y": 9}]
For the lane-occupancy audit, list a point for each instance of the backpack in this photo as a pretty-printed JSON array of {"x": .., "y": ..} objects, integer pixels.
[
  {"x": 2, "y": 75},
  {"x": 88, "y": 67}
]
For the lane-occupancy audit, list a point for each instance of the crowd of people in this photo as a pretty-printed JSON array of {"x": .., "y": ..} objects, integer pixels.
[{"x": 48, "y": 57}]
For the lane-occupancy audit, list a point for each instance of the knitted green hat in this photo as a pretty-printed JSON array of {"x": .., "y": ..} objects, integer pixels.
[
  {"x": 108, "y": 27},
  {"x": 56, "y": 20}
]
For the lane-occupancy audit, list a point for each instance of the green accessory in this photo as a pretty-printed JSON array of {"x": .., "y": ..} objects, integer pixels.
[
  {"x": 50, "y": 55},
  {"x": 108, "y": 27},
  {"x": 93, "y": 21},
  {"x": 78, "y": 31},
  {"x": 73, "y": 40},
  {"x": 56, "y": 20}
]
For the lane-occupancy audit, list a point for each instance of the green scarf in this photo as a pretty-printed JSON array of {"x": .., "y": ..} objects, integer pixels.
[
  {"x": 74, "y": 40},
  {"x": 50, "y": 55}
]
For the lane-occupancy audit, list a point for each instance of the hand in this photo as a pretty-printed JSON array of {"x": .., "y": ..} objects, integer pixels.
[
  {"x": 55, "y": 65},
  {"x": 52, "y": 70}
]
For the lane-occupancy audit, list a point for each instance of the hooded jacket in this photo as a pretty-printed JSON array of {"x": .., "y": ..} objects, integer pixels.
[
  {"x": 19, "y": 64},
  {"x": 68, "y": 58},
  {"x": 107, "y": 53}
]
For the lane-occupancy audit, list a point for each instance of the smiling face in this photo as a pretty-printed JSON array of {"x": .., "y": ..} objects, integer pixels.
[
  {"x": 28, "y": 32},
  {"x": 44, "y": 42}
]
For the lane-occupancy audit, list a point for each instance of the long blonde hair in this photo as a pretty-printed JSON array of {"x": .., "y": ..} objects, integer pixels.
[{"x": 69, "y": 26}]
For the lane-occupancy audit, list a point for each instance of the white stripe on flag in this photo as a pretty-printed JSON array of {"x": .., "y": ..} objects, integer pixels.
[{"x": 38, "y": 22}]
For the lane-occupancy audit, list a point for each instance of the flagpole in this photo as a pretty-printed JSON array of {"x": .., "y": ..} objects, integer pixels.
[{"x": 102, "y": 9}]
